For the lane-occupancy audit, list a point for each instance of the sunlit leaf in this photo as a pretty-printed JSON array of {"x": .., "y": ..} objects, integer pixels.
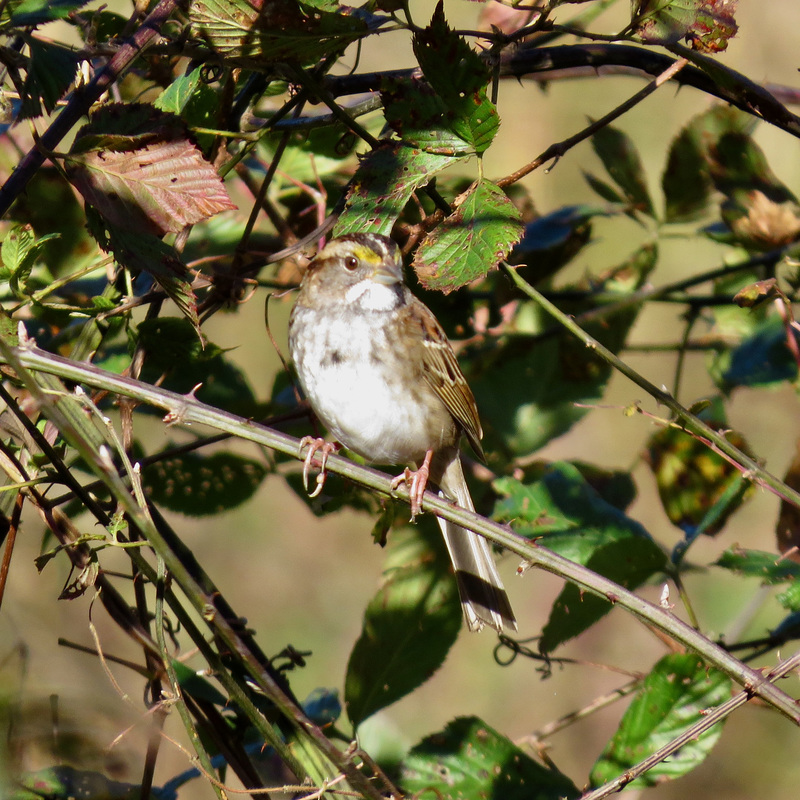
[
  {"x": 563, "y": 513},
  {"x": 140, "y": 170},
  {"x": 459, "y": 77},
  {"x": 275, "y": 30},
  {"x": 673, "y": 697},
  {"x": 706, "y": 24},
  {"x": 383, "y": 185},
  {"x": 471, "y": 241},
  {"x": 470, "y": 760}
]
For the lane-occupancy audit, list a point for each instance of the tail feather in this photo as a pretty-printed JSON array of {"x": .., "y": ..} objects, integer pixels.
[{"x": 483, "y": 596}]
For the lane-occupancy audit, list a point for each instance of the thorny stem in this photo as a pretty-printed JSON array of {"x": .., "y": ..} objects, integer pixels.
[
  {"x": 190, "y": 410},
  {"x": 555, "y": 151}
]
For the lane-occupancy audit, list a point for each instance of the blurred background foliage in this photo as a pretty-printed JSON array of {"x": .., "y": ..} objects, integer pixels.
[{"x": 632, "y": 232}]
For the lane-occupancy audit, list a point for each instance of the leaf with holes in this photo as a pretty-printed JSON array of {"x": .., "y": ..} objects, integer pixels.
[
  {"x": 141, "y": 171},
  {"x": 275, "y": 30},
  {"x": 468, "y": 759},
  {"x": 673, "y": 697},
  {"x": 459, "y": 77},
  {"x": 385, "y": 181},
  {"x": 706, "y": 24},
  {"x": 471, "y": 241}
]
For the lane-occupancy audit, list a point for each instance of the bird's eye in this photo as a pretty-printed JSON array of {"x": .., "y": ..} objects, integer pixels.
[{"x": 350, "y": 263}]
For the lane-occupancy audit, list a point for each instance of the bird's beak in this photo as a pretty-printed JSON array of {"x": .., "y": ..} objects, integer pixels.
[{"x": 388, "y": 274}]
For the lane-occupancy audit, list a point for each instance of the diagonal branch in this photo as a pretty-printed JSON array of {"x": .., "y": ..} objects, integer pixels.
[{"x": 188, "y": 409}]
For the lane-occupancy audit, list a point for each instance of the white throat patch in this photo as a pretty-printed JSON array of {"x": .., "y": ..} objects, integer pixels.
[{"x": 372, "y": 296}]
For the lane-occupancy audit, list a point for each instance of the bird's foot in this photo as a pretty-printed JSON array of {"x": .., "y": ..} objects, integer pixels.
[
  {"x": 314, "y": 445},
  {"x": 416, "y": 482}
]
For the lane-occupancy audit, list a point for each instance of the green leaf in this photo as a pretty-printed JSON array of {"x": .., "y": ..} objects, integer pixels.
[
  {"x": 706, "y": 24},
  {"x": 145, "y": 252},
  {"x": 693, "y": 480},
  {"x": 790, "y": 599},
  {"x": 275, "y": 30},
  {"x": 545, "y": 377},
  {"x": 673, "y": 697},
  {"x": 566, "y": 515},
  {"x": 172, "y": 347},
  {"x": 470, "y": 760},
  {"x": 459, "y": 76},
  {"x": 196, "y": 103},
  {"x": 385, "y": 181},
  {"x": 203, "y": 485},
  {"x": 36, "y": 12},
  {"x": 770, "y": 568},
  {"x": 763, "y": 358},
  {"x": 686, "y": 180},
  {"x": 19, "y": 252},
  {"x": 409, "y": 626},
  {"x": 51, "y": 70},
  {"x": 419, "y": 116},
  {"x": 621, "y": 159},
  {"x": 471, "y": 241}
]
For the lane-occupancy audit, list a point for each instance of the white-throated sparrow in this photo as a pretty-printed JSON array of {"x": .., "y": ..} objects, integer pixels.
[{"x": 380, "y": 374}]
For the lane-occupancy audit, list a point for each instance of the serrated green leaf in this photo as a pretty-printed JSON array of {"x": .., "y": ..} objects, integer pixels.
[
  {"x": 385, "y": 180},
  {"x": 275, "y": 30},
  {"x": 566, "y": 515},
  {"x": 770, "y": 568},
  {"x": 203, "y": 485},
  {"x": 471, "y": 241},
  {"x": 471, "y": 761},
  {"x": 19, "y": 252},
  {"x": 621, "y": 159},
  {"x": 791, "y": 599},
  {"x": 409, "y": 626},
  {"x": 459, "y": 77},
  {"x": 419, "y": 116},
  {"x": 673, "y": 697}
]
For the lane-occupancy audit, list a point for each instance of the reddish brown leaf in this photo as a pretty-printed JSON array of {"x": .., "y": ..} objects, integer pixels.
[{"x": 142, "y": 172}]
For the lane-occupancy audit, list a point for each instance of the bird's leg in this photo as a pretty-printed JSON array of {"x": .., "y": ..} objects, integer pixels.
[
  {"x": 416, "y": 481},
  {"x": 313, "y": 445}
]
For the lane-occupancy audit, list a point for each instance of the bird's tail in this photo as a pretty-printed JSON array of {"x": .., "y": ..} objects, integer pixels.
[{"x": 483, "y": 595}]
